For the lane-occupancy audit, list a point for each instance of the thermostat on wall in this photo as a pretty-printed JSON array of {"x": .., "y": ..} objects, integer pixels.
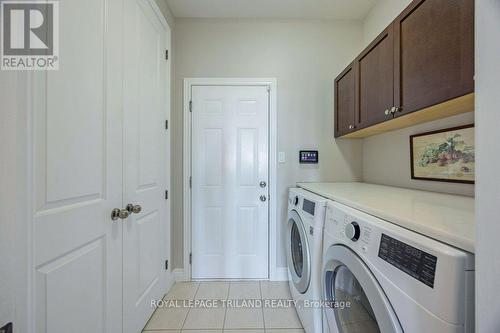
[{"x": 308, "y": 156}]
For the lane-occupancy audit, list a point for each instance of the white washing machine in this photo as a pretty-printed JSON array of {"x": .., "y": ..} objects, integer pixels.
[
  {"x": 394, "y": 280},
  {"x": 306, "y": 217}
]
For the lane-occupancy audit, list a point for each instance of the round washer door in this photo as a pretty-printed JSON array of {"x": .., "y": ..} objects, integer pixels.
[
  {"x": 298, "y": 255},
  {"x": 356, "y": 301}
]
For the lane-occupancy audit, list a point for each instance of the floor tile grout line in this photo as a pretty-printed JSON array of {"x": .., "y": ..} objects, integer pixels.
[
  {"x": 225, "y": 310},
  {"x": 189, "y": 310}
]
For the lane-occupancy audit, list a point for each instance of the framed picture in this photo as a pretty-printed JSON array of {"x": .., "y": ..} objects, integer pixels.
[{"x": 445, "y": 155}]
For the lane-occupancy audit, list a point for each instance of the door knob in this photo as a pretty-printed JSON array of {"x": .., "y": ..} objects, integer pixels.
[
  {"x": 263, "y": 184},
  {"x": 351, "y": 127},
  {"x": 119, "y": 214},
  {"x": 263, "y": 198},
  {"x": 136, "y": 209}
]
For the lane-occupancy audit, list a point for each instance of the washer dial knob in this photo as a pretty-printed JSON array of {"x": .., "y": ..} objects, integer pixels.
[{"x": 353, "y": 231}]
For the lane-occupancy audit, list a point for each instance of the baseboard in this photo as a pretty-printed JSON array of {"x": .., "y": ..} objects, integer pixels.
[
  {"x": 280, "y": 274},
  {"x": 179, "y": 275}
]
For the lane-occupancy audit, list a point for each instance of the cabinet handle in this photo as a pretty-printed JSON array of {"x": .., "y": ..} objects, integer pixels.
[
  {"x": 398, "y": 109},
  {"x": 387, "y": 112}
]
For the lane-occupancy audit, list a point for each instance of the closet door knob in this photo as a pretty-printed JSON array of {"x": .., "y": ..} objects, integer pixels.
[
  {"x": 136, "y": 209},
  {"x": 119, "y": 214}
]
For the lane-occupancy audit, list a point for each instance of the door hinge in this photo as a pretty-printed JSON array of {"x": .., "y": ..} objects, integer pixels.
[
  {"x": 190, "y": 106},
  {"x": 166, "y": 54},
  {"x": 166, "y": 194},
  {"x": 166, "y": 265},
  {"x": 166, "y": 124},
  {"x": 190, "y": 182},
  {"x": 190, "y": 258}
]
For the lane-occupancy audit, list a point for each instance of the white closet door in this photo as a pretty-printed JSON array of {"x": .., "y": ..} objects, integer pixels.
[
  {"x": 229, "y": 161},
  {"x": 77, "y": 175},
  {"x": 146, "y": 148}
]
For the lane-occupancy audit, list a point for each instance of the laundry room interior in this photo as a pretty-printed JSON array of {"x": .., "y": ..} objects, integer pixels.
[{"x": 253, "y": 166}]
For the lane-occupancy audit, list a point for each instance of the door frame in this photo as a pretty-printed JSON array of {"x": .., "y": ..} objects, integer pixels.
[{"x": 271, "y": 83}]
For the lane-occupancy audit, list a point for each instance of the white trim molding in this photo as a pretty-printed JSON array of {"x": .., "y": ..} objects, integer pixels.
[
  {"x": 275, "y": 273},
  {"x": 179, "y": 275},
  {"x": 281, "y": 274}
]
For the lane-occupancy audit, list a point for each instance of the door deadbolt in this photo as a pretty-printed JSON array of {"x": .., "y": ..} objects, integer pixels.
[
  {"x": 136, "y": 209},
  {"x": 119, "y": 214}
]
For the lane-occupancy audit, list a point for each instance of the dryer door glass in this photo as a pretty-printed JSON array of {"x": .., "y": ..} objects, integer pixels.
[
  {"x": 353, "y": 311},
  {"x": 296, "y": 248},
  {"x": 356, "y": 301}
]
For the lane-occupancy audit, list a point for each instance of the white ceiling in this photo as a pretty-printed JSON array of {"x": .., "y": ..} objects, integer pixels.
[{"x": 311, "y": 9}]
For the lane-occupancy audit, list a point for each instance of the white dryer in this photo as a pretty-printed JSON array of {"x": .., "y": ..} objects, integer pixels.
[
  {"x": 304, "y": 246},
  {"x": 379, "y": 277}
]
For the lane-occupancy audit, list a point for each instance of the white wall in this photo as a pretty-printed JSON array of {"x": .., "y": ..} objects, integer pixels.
[
  {"x": 386, "y": 157},
  {"x": 304, "y": 56},
  {"x": 488, "y": 164},
  {"x": 380, "y": 16}
]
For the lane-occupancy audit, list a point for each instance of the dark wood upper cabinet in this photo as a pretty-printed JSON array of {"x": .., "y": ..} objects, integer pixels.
[
  {"x": 345, "y": 102},
  {"x": 433, "y": 53},
  {"x": 375, "y": 83}
]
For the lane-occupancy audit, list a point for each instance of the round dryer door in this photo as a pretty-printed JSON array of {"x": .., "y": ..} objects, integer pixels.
[
  {"x": 356, "y": 301},
  {"x": 298, "y": 255}
]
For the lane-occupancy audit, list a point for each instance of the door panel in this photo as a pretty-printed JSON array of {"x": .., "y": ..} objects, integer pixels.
[
  {"x": 145, "y": 234},
  {"x": 375, "y": 82},
  {"x": 434, "y": 53},
  {"x": 77, "y": 176},
  {"x": 230, "y": 159},
  {"x": 345, "y": 101}
]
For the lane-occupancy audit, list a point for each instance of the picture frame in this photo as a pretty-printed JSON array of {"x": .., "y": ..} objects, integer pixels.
[{"x": 445, "y": 155}]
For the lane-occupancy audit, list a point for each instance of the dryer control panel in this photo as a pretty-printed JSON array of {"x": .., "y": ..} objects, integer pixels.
[{"x": 418, "y": 264}]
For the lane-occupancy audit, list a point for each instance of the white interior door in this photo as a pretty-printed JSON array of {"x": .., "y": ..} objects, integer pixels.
[
  {"x": 229, "y": 162},
  {"x": 77, "y": 175},
  {"x": 146, "y": 149}
]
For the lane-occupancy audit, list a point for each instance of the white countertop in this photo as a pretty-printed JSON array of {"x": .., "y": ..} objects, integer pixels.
[{"x": 444, "y": 217}]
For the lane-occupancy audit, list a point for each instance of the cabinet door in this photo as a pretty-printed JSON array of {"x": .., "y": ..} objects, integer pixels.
[
  {"x": 375, "y": 80},
  {"x": 345, "y": 102},
  {"x": 434, "y": 53}
]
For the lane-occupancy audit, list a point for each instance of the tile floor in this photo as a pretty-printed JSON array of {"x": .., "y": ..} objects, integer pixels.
[{"x": 269, "y": 309}]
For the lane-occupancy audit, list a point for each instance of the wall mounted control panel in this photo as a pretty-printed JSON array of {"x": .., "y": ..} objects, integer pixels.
[{"x": 309, "y": 156}]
